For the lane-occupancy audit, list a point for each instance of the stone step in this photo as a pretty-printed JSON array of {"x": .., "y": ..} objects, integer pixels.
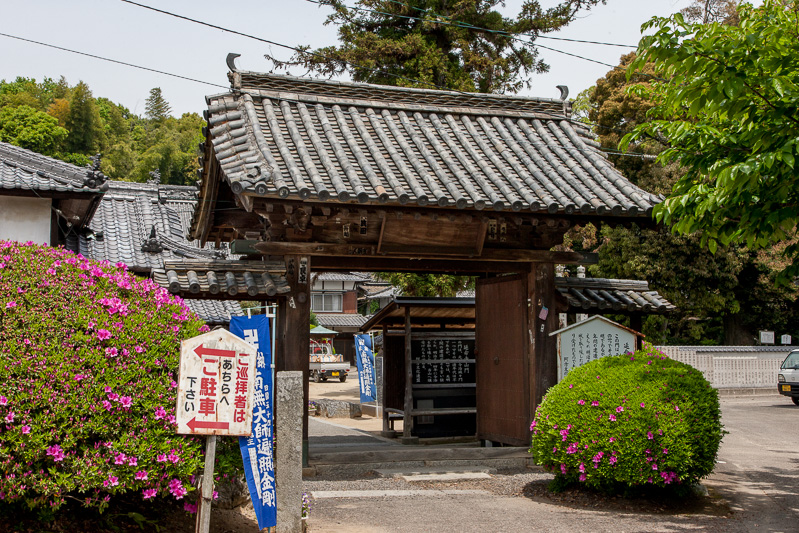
[{"x": 428, "y": 473}]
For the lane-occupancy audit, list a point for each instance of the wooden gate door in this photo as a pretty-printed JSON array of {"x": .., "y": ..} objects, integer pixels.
[{"x": 503, "y": 386}]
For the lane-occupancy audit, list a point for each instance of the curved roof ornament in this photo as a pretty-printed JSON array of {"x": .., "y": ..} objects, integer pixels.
[{"x": 231, "y": 61}]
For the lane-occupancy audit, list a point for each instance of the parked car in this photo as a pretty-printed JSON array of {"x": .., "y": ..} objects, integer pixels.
[{"x": 788, "y": 378}]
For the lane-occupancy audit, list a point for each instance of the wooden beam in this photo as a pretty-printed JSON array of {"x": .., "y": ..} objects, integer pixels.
[{"x": 371, "y": 250}]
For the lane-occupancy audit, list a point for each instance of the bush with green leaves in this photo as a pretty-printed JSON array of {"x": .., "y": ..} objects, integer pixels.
[
  {"x": 88, "y": 362},
  {"x": 634, "y": 420}
]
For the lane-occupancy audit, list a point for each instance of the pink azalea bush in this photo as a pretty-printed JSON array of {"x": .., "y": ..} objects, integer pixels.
[
  {"x": 629, "y": 421},
  {"x": 88, "y": 362}
]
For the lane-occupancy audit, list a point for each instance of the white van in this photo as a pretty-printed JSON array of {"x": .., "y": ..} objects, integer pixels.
[{"x": 788, "y": 378}]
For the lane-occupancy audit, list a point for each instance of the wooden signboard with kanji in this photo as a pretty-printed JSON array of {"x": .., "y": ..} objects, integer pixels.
[{"x": 215, "y": 385}]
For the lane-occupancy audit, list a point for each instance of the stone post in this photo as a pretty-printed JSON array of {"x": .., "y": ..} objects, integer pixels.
[{"x": 289, "y": 405}]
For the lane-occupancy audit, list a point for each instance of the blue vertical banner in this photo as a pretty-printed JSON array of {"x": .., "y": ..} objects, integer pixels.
[
  {"x": 257, "y": 449},
  {"x": 365, "y": 361}
]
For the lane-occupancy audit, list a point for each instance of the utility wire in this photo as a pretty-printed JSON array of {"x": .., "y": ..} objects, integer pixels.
[
  {"x": 113, "y": 60},
  {"x": 459, "y": 24},
  {"x": 282, "y": 98},
  {"x": 466, "y": 25}
]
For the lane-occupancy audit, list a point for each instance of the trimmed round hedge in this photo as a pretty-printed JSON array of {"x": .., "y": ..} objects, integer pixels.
[
  {"x": 88, "y": 361},
  {"x": 628, "y": 421}
]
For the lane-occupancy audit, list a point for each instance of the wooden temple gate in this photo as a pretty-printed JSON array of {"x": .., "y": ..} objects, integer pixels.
[{"x": 333, "y": 176}]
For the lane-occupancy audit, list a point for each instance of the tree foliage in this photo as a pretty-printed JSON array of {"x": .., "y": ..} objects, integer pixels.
[
  {"x": 728, "y": 112},
  {"x": 467, "y": 45},
  {"x": 69, "y": 123},
  {"x": 26, "y": 127},
  {"x": 442, "y": 286}
]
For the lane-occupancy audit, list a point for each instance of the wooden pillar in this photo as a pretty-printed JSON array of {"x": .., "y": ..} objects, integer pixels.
[
  {"x": 293, "y": 331},
  {"x": 542, "y": 320},
  {"x": 407, "y": 419}
]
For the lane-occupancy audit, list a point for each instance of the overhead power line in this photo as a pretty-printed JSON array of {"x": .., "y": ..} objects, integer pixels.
[
  {"x": 118, "y": 62},
  {"x": 186, "y": 78}
]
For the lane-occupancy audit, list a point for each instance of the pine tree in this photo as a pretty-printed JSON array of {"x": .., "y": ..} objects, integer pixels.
[{"x": 156, "y": 106}]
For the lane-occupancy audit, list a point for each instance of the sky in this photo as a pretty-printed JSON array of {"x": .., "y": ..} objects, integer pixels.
[{"x": 131, "y": 34}]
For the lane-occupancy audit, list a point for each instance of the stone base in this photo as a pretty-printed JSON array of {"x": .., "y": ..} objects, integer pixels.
[{"x": 338, "y": 409}]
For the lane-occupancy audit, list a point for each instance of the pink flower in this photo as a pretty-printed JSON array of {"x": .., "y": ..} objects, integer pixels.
[
  {"x": 654, "y": 466},
  {"x": 133, "y": 461},
  {"x": 174, "y": 384},
  {"x": 107, "y": 389},
  {"x": 571, "y": 386},
  {"x": 126, "y": 401},
  {"x": 649, "y": 435},
  {"x": 56, "y": 452},
  {"x": 161, "y": 458},
  {"x": 139, "y": 349},
  {"x": 26, "y": 429},
  {"x": 113, "y": 481},
  {"x": 120, "y": 459},
  {"x": 149, "y": 493},
  {"x": 583, "y": 477},
  {"x": 103, "y": 334},
  {"x": 3, "y": 400},
  {"x": 612, "y": 459},
  {"x": 111, "y": 352},
  {"x": 612, "y": 418},
  {"x": 159, "y": 413},
  {"x": 580, "y": 402},
  {"x": 11, "y": 304},
  {"x": 676, "y": 408},
  {"x": 665, "y": 451},
  {"x": 532, "y": 425},
  {"x": 113, "y": 396},
  {"x": 10, "y": 417},
  {"x": 572, "y": 448},
  {"x": 643, "y": 405},
  {"x": 619, "y": 409},
  {"x": 174, "y": 458},
  {"x": 594, "y": 403},
  {"x": 613, "y": 439},
  {"x": 581, "y": 468},
  {"x": 141, "y": 475},
  {"x": 190, "y": 507},
  {"x": 563, "y": 468},
  {"x": 107, "y": 405}
]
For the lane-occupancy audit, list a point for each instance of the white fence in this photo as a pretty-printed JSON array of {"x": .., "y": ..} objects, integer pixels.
[{"x": 727, "y": 367}]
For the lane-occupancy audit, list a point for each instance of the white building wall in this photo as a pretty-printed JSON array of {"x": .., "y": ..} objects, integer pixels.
[{"x": 25, "y": 219}]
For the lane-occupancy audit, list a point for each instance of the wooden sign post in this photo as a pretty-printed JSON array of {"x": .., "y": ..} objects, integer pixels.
[{"x": 215, "y": 389}]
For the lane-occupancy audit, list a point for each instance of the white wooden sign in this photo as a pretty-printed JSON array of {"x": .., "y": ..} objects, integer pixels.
[
  {"x": 215, "y": 385},
  {"x": 591, "y": 339}
]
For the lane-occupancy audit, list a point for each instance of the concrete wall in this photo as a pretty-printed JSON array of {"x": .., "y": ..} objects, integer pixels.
[
  {"x": 732, "y": 367},
  {"x": 25, "y": 219}
]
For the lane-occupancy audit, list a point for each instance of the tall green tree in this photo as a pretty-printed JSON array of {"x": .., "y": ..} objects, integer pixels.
[
  {"x": 156, "y": 107},
  {"x": 466, "y": 45},
  {"x": 83, "y": 122},
  {"x": 728, "y": 114}
]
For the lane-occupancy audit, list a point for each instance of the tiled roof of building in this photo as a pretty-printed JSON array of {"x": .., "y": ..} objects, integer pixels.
[
  {"x": 379, "y": 290},
  {"x": 127, "y": 217},
  {"x": 334, "y": 320},
  {"x": 243, "y": 280},
  {"x": 215, "y": 312},
  {"x": 283, "y": 137},
  {"x": 26, "y": 170},
  {"x": 607, "y": 295},
  {"x": 342, "y": 276}
]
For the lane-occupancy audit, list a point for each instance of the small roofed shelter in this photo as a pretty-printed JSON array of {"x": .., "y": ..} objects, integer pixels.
[
  {"x": 427, "y": 384},
  {"x": 338, "y": 176}
]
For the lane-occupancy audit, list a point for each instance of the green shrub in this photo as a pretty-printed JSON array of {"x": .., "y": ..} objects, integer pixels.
[
  {"x": 88, "y": 362},
  {"x": 629, "y": 421}
]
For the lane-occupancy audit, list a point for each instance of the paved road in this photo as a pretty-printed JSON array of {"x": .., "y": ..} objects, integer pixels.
[{"x": 755, "y": 488}]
